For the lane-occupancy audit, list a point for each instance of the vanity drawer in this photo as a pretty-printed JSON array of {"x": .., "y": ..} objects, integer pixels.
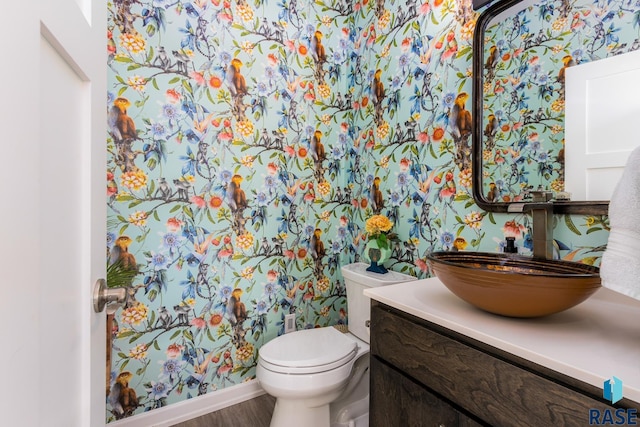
[
  {"x": 492, "y": 389},
  {"x": 396, "y": 400}
]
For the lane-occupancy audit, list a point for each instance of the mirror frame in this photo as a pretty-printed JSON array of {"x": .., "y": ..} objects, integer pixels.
[
  {"x": 598, "y": 207},
  {"x": 477, "y": 4}
]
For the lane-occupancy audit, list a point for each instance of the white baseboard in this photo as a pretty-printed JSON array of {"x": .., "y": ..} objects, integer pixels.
[{"x": 193, "y": 408}]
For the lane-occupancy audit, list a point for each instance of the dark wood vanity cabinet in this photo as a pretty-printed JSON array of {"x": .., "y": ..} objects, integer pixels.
[
  {"x": 425, "y": 375},
  {"x": 397, "y": 400}
]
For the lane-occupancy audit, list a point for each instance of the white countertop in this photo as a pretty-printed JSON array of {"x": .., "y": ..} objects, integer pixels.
[{"x": 593, "y": 341}]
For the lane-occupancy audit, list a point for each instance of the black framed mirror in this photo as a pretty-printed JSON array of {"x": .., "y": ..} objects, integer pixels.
[{"x": 517, "y": 118}]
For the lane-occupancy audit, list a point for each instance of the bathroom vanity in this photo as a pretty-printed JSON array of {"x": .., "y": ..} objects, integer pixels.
[{"x": 437, "y": 360}]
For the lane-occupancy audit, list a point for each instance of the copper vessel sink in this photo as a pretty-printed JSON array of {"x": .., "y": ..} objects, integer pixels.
[{"x": 512, "y": 285}]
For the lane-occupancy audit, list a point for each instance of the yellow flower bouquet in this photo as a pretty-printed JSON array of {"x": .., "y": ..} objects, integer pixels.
[
  {"x": 378, "y": 227},
  {"x": 378, "y": 248}
]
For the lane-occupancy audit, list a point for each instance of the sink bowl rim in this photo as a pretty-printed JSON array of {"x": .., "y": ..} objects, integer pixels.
[{"x": 580, "y": 270}]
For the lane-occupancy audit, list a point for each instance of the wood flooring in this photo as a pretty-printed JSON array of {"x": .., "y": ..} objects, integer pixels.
[{"x": 254, "y": 412}]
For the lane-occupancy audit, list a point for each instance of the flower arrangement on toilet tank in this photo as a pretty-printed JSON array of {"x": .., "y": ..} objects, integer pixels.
[
  {"x": 378, "y": 228},
  {"x": 378, "y": 249}
]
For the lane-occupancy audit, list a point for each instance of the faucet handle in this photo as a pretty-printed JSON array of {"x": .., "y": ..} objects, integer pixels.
[{"x": 541, "y": 195}]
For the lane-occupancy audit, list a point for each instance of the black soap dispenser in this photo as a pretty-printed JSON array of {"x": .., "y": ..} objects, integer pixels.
[{"x": 511, "y": 248}]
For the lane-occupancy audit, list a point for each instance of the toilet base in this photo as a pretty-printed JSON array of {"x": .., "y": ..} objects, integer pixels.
[
  {"x": 361, "y": 421},
  {"x": 352, "y": 408},
  {"x": 294, "y": 413}
]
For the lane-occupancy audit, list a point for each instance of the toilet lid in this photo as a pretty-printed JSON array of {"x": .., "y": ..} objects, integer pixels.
[{"x": 308, "y": 350}]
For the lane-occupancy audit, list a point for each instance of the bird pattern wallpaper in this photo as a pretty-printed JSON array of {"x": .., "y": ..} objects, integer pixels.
[{"x": 249, "y": 141}]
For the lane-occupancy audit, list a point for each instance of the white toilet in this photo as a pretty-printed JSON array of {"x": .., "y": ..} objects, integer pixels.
[{"x": 320, "y": 377}]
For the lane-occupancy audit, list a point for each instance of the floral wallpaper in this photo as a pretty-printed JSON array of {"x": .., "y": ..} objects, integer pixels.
[{"x": 248, "y": 143}]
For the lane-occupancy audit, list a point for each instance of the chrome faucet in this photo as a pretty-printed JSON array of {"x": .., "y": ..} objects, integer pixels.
[{"x": 541, "y": 208}]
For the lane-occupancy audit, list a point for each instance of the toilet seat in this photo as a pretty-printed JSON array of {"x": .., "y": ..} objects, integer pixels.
[{"x": 308, "y": 351}]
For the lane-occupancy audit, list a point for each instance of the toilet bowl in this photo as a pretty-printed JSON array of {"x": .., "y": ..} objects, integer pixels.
[{"x": 320, "y": 377}]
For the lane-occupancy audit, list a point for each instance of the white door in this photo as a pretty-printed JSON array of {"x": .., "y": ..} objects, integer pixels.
[
  {"x": 602, "y": 105},
  {"x": 53, "y": 211}
]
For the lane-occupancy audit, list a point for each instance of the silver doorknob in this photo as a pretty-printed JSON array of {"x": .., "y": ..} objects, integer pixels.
[{"x": 103, "y": 295}]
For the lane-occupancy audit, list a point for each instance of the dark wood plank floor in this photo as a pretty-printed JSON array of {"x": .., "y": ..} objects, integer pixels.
[{"x": 255, "y": 412}]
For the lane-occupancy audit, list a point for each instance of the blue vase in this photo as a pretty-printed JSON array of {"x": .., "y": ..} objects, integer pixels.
[{"x": 376, "y": 256}]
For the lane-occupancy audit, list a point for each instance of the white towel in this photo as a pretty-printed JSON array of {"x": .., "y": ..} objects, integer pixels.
[{"x": 620, "y": 265}]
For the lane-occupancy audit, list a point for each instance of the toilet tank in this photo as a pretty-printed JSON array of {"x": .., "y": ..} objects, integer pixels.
[{"x": 357, "y": 279}]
